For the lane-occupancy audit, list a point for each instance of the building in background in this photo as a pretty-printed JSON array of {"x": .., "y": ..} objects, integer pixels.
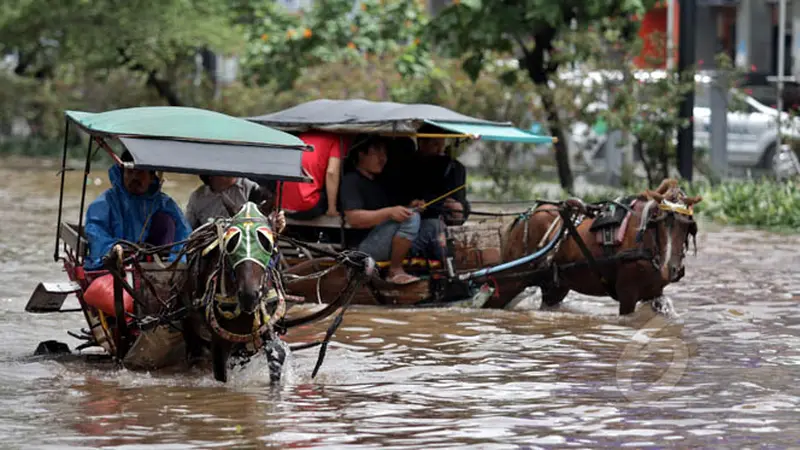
[
  {"x": 715, "y": 33},
  {"x": 746, "y": 30}
]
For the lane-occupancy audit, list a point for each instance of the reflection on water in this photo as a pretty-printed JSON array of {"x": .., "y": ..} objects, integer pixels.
[{"x": 723, "y": 374}]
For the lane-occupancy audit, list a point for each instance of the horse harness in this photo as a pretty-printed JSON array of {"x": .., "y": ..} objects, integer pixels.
[
  {"x": 612, "y": 219},
  {"x": 227, "y": 306}
]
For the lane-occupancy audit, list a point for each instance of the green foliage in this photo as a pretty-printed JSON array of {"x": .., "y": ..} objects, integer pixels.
[
  {"x": 763, "y": 204},
  {"x": 148, "y": 35},
  {"x": 42, "y": 103},
  {"x": 528, "y": 27},
  {"x": 281, "y": 44}
]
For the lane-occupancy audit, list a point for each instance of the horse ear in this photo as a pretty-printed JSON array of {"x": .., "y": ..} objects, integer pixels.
[
  {"x": 653, "y": 195},
  {"x": 667, "y": 184},
  {"x": 693, "y": 200},
  {"x": 255, "y": 196},
  {"x": 265, "y": 207},
  {"x": 260, "y": 194}
]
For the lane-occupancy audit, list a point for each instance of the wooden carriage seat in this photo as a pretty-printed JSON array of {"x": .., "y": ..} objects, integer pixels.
[{"x": 320, "y": 222}]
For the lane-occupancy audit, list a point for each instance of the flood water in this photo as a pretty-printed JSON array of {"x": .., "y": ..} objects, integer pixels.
[{"x": 726, "y": 373}]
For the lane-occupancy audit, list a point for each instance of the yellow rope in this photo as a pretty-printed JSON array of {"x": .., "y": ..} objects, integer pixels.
[{"x": 425, "y": 205}]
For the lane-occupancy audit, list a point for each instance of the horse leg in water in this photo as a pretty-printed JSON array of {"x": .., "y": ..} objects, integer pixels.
[
  {"x": 627, "y": 295},
  {"x": 195, "y": 345},
  {"x": 220, "y": 353},
  {"x": 552, "y": 295},
  {"x": 276, "y": 356}
]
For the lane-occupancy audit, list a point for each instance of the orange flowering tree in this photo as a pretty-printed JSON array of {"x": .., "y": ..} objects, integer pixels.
[{"x": 282, "y": 44}]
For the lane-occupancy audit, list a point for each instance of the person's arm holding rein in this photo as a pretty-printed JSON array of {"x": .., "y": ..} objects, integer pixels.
[{"x": 363, "y": 218}]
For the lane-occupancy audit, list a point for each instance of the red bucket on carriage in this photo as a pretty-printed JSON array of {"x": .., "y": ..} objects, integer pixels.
[{"x": 100, "y": 295}]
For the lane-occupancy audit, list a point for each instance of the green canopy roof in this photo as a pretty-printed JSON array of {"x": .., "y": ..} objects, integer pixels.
[
  {"x": 488, "y": 132},
  {"x": 196, "y": 141},
  {"x": 180, "y": 123}
]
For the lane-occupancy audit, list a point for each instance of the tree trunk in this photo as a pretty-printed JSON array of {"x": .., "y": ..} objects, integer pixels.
[
  {"x": 164, "y": 89},
  {"x": 539, "y": 70},
  {"x": 562, "y": 152},
  {"x": 664, "y": 157},
  {"x": 639, "y": 146}
]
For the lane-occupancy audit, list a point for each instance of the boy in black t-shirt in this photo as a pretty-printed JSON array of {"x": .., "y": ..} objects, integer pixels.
[
  {"x": 439, "y": 173},
  {"x": 395, "y": 231}
]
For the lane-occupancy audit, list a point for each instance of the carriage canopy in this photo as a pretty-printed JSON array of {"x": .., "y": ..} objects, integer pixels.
[
  {"x": 197, "y": 141},
  {"x": 364, "y": 116}
]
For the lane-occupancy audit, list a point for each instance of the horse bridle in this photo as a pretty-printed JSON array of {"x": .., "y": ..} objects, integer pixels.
[
  {"x": 228, "y": 306},
  {"x": 669, "y": 212}
]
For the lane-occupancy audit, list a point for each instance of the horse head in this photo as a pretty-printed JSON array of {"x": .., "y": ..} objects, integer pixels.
[
  {"x": 670, "y": 211},
  {"x": 247, "y": 246}
]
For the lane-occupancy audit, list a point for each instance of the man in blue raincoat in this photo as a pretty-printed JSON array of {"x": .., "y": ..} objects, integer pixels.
[{"x": 134, "y": 209}]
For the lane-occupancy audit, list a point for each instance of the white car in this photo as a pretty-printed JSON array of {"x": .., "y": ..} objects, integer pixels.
[{"x": 752, "y": 133}]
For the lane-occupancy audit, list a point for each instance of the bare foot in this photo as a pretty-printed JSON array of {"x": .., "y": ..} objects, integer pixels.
[{"x": 401, "y": 278}]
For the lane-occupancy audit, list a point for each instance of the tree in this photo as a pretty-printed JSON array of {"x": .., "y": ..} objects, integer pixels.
[
  {"x": 642, "y": 104},
  {"x": 153, "y": 37},
  {"x": 534, "y": 31},
  {"x": 282, "y": 44}
]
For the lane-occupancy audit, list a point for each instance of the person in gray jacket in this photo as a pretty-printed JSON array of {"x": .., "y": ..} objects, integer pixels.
[{"x": 208, "y": 201}]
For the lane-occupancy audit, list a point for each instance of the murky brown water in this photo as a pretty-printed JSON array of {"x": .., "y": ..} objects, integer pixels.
[{"x": 725, "y": 374}]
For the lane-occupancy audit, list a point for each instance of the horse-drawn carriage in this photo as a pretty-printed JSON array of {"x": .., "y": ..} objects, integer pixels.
[
  {"x": 556, "y": 245},
  {"x": 216, "y": 294}
]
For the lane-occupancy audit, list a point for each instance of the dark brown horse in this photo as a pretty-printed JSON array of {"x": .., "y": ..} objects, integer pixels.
[
  {"x": 633, "y": 257},
  {"x": 228, "y": 292}
]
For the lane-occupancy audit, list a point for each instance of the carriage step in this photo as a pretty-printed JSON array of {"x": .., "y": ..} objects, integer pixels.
[
  {"x": 86, "y": 345},
  {"x": 82, "y": 337},
  {"x": 49, "y": 297}
]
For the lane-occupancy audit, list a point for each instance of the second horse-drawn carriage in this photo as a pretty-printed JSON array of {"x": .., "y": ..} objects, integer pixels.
[{"x": 626, "y": 248}]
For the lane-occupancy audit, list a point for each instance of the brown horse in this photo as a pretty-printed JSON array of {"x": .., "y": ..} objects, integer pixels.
[{"x": 643, "y": 250}]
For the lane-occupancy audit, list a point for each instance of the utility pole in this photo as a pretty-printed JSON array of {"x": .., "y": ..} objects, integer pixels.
[
  {"x": 780, "y": 76},
  {"x": 781, "y": 61},
  {"x": 686, "y": 59},
  {"x": 671, "y": 35}
]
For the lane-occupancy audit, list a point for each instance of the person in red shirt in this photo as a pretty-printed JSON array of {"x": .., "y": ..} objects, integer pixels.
[{"x": 307, "y": 201}]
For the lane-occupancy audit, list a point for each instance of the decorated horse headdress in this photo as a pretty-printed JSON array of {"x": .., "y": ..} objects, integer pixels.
[
  {"x": 669, "y": 198},
  {"x": 249, "y": 237}
]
